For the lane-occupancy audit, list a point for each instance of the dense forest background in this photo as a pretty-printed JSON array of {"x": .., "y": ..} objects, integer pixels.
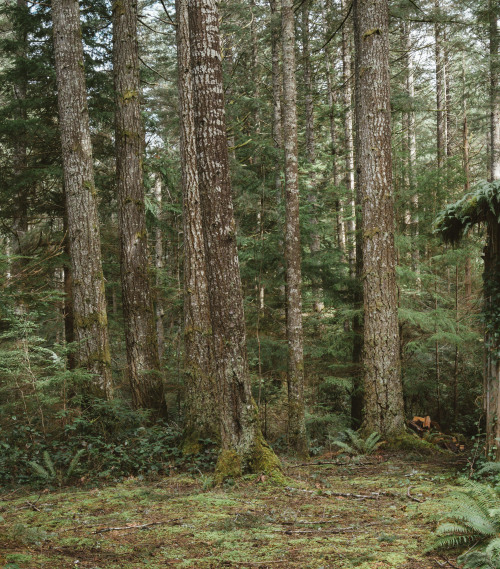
[{"x": 442, "y": 60}]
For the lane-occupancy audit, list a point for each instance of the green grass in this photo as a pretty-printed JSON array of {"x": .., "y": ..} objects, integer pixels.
[{"x": 251, "y": 524}]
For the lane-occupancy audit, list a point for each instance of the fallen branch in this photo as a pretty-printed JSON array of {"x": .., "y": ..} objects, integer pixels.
[
  {"x": 335, "y": 462},
  {"x": 33, "y": 506},
  {"x": 334, "y": 530},
  {"x": 447, "y": 562},
  {"x": 412, "y": 497},
  {"x": 140, "y": 526}
]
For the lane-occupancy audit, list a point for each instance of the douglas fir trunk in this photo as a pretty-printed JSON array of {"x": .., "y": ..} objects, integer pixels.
[
  {"x": 140, "y": 329},
  {"x": 244, "y": 448},
  {"x": 89, "y": 302},
  {"x": 382, "y": 379}
]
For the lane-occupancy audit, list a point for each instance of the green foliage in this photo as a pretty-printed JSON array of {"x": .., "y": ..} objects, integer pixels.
[
  {"x": 49, "y": 474},
  {"x": 472, "y": 517},
  {"x": 354, "y": 443}
]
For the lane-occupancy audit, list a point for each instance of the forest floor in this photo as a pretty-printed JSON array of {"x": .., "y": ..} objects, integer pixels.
[{"x": 378, "y": 513}]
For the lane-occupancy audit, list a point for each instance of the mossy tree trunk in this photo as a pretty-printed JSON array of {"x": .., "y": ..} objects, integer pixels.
[
  {"x": 143, "y": 364},
  {"x": 244, "y": 448},
  {"x": 89, "y": 302},
  {"x": 202, "y": 411},
  {"x": 297, "y": 439},
  {"x": 382, "y": 377}
]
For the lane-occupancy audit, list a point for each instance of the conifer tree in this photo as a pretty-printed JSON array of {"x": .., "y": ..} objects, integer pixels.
[{"x": 89, "y": 302}]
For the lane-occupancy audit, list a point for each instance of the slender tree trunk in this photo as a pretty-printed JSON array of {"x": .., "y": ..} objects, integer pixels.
[
  {"x": 69, "y": 332},
  {"x": 244, "y": 448},
  {"x": 411, "y": 144},
  {"x": 159, "y": 266},
  {"x": 440, "y": 89},
  {"x": 329, "y": 63},
  {"x": 138, "y": 312},
  {"x": 89, "y": 300},
  {"x": 348, "y": 141},
  {"x": 297, "y": 439},
  {"x": 202, "y": 412},
  {"x": 384, "y": 410},
  {"x": 277, "y": 92}
]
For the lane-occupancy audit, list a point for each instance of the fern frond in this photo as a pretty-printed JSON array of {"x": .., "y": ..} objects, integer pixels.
[
  {"x": 74, "y": 463},
  {"x": 49, "y": 464},
  {"x": 39, "y": 470}
]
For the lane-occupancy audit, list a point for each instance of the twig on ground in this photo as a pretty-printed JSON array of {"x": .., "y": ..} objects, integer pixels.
[
  {"x": 447, "y": 561},
  {"x": 140, "y": 526},
  {"x": 412, "y": 497},
  {"x": 33, "y": 506},
  {"x": 335, "y": 462},
  {"x": 333, "y": 530}
]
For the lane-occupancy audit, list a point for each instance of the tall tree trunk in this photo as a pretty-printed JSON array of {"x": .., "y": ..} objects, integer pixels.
[
  {"x": 492, "y": 253},
  {"x": 384, "y": 410},
  {"x": 202, "y": 412},
  {"x": 440, "y": 89},
  {"x": 277, "y": 92},
  {"x": 297, "y": 439},
  {"x": 244, "y": 448},
  {"x": 329, "y": 64},
  {"x": 411, "y": 146},
  {"x": 140, "y": 329},
  {"x": 89, "y": 301},
  {"x": 311, "y": 151},
  {"x": 159, "y": 266},
  {"x": 348, "y": 141}
]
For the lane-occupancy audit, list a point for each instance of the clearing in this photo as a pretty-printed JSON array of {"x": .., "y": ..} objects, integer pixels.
[{"x": 375, "y": 513}]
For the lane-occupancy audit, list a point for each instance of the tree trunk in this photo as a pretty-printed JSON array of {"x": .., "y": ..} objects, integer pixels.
[
  {"x": 89, "y": 300},
  {"x": 159, "y": 266},
  {"x": 277, "y": 92},
  {"x": 244, "y": 448},
  {"x": 492, "y": 252},
  {"x": 348, "y": 142},
  {"x": 202, "y": 412},
  {"x": 143, "y": 364},
  {"x": 297, "y": 439},
  {"x": 440, "y": 90},
  {"x": 382, "y": 378}
]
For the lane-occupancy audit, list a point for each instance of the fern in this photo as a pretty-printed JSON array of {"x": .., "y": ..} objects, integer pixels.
[
  {"x": 356, "y": 444},
  {"x": 49, "y": 464},
  {"x": 473, "y": 517},
  {"x": 74, "y": 463},
  {"x": 39, "y": 470}
]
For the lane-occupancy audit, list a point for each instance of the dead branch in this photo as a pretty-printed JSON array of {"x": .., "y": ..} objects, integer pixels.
[
  {"x": 412, "y": 497},
  {"x": 140, "y": 526}
]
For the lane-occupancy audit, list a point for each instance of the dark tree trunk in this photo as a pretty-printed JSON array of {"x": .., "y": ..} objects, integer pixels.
[
  {"x": 244, "y": 448},
  {"x": 89, "y": 301},
  {"x": 382, "y": 377},
  {"x": 143, "y": 364}
]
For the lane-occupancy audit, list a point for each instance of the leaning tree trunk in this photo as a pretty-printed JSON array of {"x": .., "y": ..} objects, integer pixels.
[
  {"x": 89, "y": 301},
  {"x": 297, "y": 438},
  {"x": 244, "y": 448},
  {"x": 202, "y": 412},
  {"x": 143, "y": 364},
  {"x": 382, "y": 377}
]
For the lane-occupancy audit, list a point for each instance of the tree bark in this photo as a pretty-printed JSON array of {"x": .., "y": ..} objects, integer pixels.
[
  {"x": 89, "y": 301},
  {"x": 159, "y": 266},
  {"x": 440, "y": 89},
  {"x": 277, "y": 92},
  {"x": 143, "y": 364},
  {"x": 244, "y": 448},
  {"x": 348, "y": 142},
  {"x": 297, "y": 439},
  {"x": 382, "y": 378},
  {"x": 202, "y": 412}
]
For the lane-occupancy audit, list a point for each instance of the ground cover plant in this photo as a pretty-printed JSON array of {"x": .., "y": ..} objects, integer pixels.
[{"x": 372, "y": 512}]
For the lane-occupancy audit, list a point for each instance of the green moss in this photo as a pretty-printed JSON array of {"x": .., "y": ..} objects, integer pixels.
[
  {"x": 229, "y": 465},
  {"x": 413, "y": 443}
]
